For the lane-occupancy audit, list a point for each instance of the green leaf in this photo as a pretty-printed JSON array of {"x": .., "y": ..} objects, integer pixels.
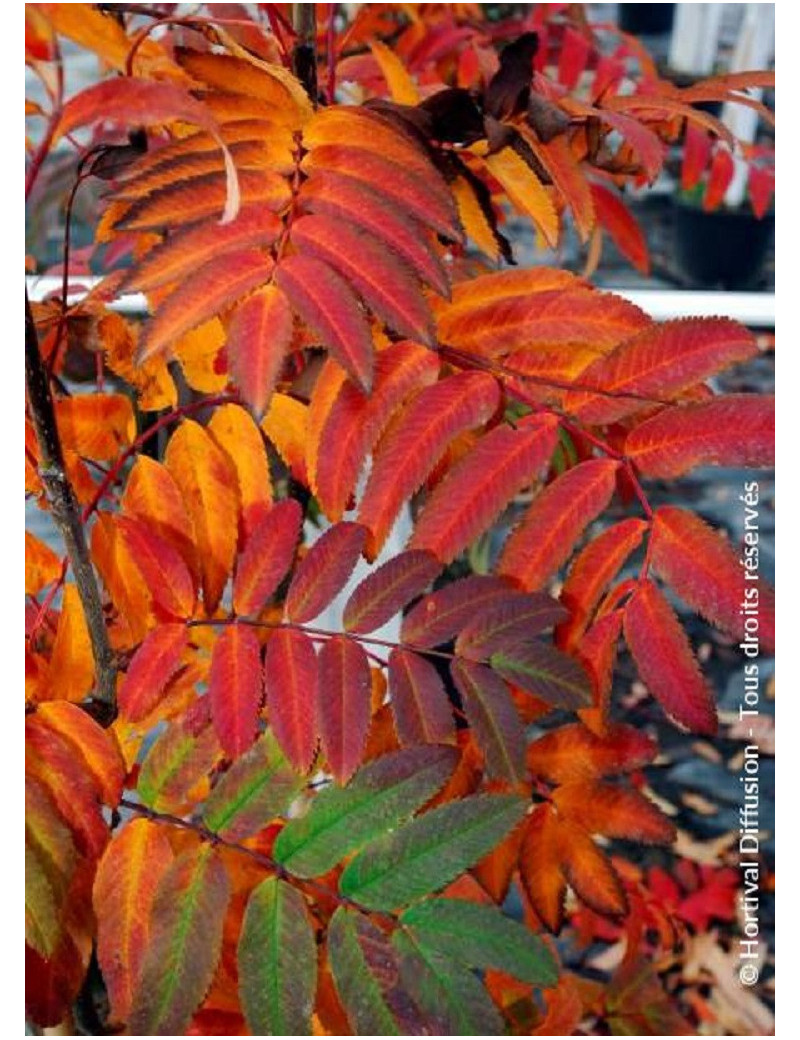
[
  {"x": 429, "y": 852},
  {"x": 177, "y": 761},
  {"x": 184, "y": 946},
  {"x": 258, "y": 786},
  {"x": 545, "y": 672},
  {"x": 447, "y": 990},
  {"x": 481, "y": 937},
  {"x": 377, "y": 799},
  {"x": 277, "y": 959},
  {"x": 367, "y": 977}
]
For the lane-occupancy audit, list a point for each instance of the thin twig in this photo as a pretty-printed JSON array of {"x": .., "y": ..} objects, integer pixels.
[{"x": 67, "y": 516}]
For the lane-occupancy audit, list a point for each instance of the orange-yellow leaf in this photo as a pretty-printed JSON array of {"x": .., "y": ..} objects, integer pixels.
[
  {"x": 71, "y": 663},
  {"x": 97, "y": 426},
  {"x": 42, "y": 565},
  {"x": 526, "y": 191},
  {"x": 207, "y": 481},
  {"x": 238, "y": 436}
]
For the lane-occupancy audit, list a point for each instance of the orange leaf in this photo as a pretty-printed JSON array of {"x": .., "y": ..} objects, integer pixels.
[
  {"x": 555, "y": 520},
  {"x": 215, "y": 286},
  {"x": 613, "y": 811},
  {"x": 94, "y": 747},
  {"x": 540, "y": 867},
  {"x": 97, "y": 426},
  {"x": 191, "y": 247},
  {"x": 574, "y": 752},
  {"x": 71, "y": 662},
  {"x": 42, "y": 565}
]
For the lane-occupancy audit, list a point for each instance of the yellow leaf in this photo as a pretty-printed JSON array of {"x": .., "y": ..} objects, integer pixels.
[
  {"x": 286, "y": 425},
  {"x": 525, "y": 191},
  {"x": 398, "y": 79},
  {"x": 473, "y": 219},
  {"x": 197, "y": 351}
]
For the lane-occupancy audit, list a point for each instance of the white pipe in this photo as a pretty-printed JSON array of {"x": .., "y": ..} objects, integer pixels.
[
  {"x": 695, "y": 38},
  {"x": 754, "y": 309}
]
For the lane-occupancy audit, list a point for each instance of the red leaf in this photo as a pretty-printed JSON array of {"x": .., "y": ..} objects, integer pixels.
[
  {"x": 342, "y": 199},
  {"x": 574, "y": 752},
  {"x": 325, "y": 302},
  {"x": 420, "y": 705},
  {"x": 267, "y": 557},
  {"x": 665, "y": 661},
  {"x": 557, "y": 158},
  {"x": 191, "y": 247},
  {"x": 659, "y": 362},
  {"x": 441, "y": 615},
  {"x": 572, "y": 58},
  {"x": 590, "y": 574},
  {"x": 493, "y": 718},
  {"x": 151, "y": 668},
  {"x": 372, "y": 270},
  {"x": 290, "y": 677},
  {"x": 720, "y": 176},
  {"x": 761, "y": 185},
  {"x": 235, "y": 688},
  {"x": 343, "y": 704},
  {"x": 324, "y": 570},
  {"x": 696, "y": 155},
  {"x": 259, "y": 335},
  {"x": 416, "y": 443},
  {"x": 387, "y": 590},
  {"x": 555, "y": 520},
  {"x": 503, "y": 623},
  {"x": 481, "y": 484},
  {"x": 701, "y": 566},
  {"x": 162, "y": 566},
  {"x": 734, "y": 430},
  {"x": 215, "y": 286},
  {"x": 625, "y": 231},
  {"x": 356, "y": 420}
]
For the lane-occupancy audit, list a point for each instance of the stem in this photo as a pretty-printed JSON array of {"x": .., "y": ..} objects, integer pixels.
[
  {"x": 66, "y": 513},
  {"x": 319, "y": 633},
  {"x": 205, "y": 834},
  {"x": 304, "y": 51}
]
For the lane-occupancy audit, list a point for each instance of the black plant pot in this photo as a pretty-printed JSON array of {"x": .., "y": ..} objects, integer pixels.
[
  {"x": 645, "y": 19},
  {"x": 725, "y": 249}
]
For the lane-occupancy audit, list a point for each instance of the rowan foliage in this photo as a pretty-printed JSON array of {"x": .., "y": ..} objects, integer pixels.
[{"x": 274, "y": 826}]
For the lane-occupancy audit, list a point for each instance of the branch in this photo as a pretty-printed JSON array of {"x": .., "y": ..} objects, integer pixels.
[
  {"x": 304, "y": 51},
  {"x": 67, "y": 515}
]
